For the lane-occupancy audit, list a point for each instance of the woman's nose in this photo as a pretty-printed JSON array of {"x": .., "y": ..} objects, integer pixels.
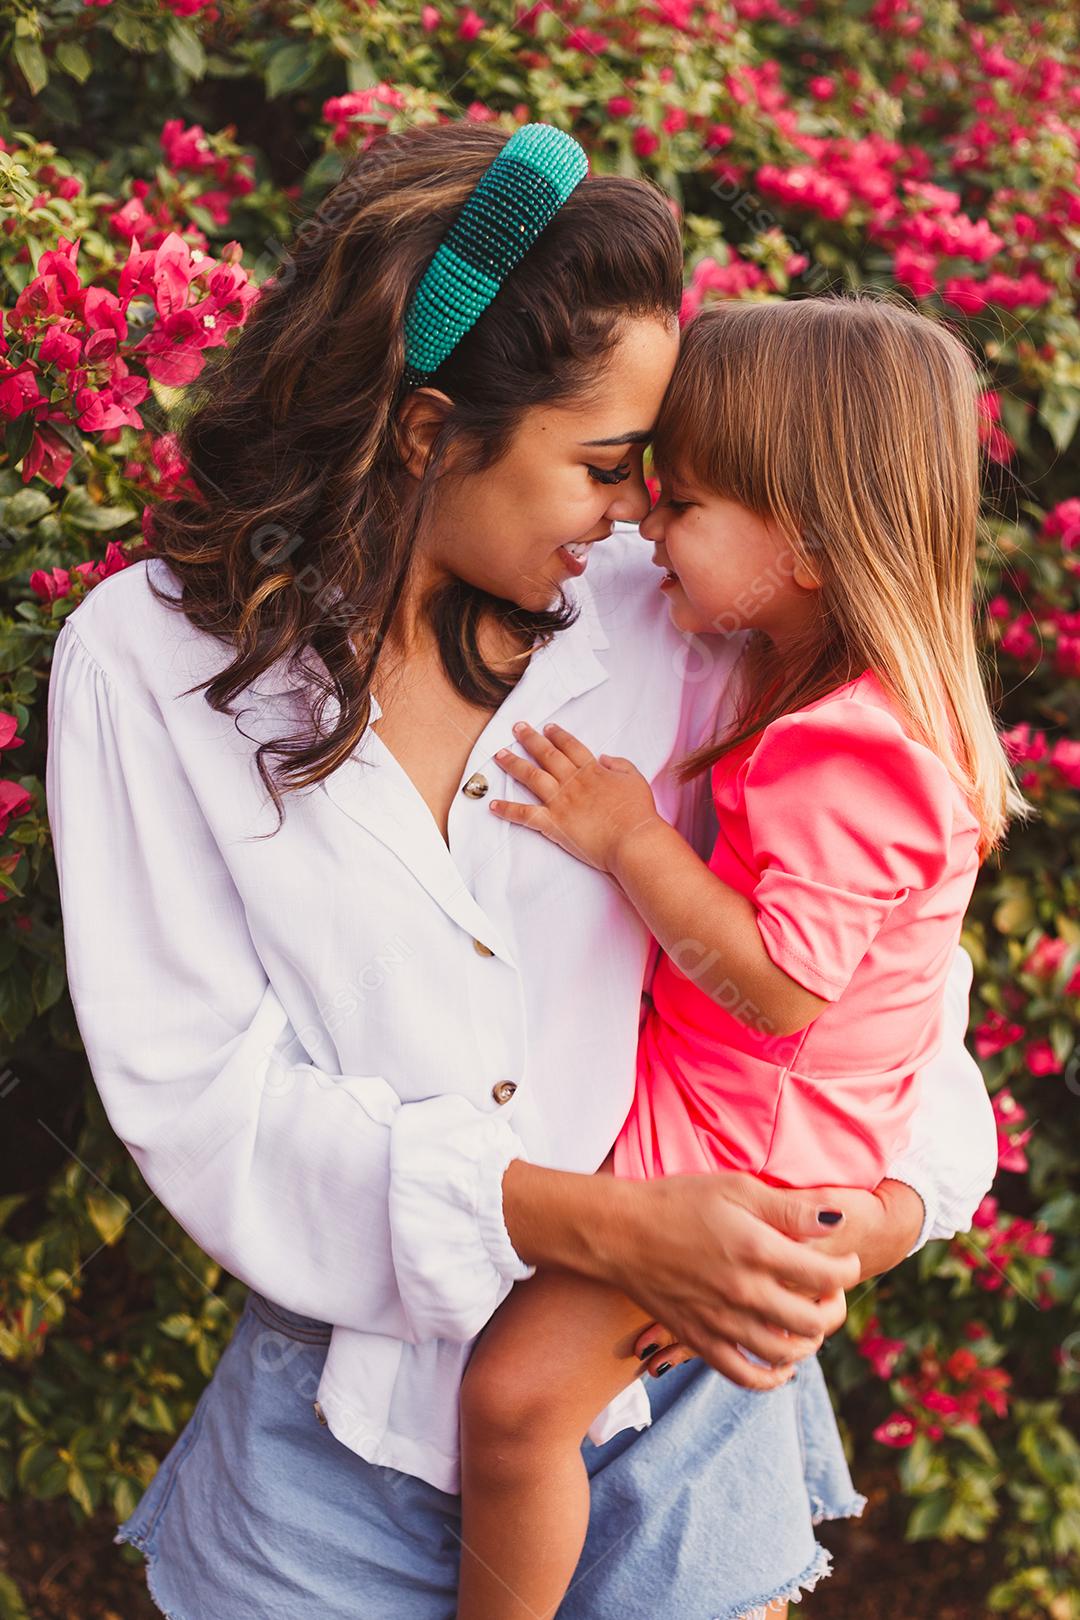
[{"x": 631, "y": 501}]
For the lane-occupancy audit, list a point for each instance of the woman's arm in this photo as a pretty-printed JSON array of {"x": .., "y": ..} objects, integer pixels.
[
  {"x": 718, "y": 1258},
  {"x": 323, "y": 1191}
]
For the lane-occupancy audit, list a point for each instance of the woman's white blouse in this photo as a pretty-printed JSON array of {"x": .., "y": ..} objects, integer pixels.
[{"x": 323, "y": 1047}]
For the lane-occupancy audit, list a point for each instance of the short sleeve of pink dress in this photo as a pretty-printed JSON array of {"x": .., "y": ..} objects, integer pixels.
[
  {"x": 846, "y": 814},
  {"x": 859, "y": 853}
]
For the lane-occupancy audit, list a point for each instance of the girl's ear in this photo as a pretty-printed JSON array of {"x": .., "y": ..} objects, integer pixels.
[
  {"x": 420, "y": 420},
  {"x": 804, "y": 577},
  {"x": 803, "y": 572}
]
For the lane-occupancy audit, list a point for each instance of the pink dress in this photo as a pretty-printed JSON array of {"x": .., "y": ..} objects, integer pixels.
[{"x": 859, "y": 853}]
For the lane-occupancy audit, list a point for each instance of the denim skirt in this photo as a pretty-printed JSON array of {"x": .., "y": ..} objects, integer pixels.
[{"x": 259, "y": 1513}]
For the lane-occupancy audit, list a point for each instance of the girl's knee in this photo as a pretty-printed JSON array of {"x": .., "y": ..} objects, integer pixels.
[{"x": 500, "y": 1407}]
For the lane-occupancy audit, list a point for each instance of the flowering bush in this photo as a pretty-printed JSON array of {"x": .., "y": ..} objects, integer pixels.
[{"x": 945, "y": 163}]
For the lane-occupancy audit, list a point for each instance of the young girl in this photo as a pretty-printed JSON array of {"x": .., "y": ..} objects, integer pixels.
[{"x": 819, "y": 490}]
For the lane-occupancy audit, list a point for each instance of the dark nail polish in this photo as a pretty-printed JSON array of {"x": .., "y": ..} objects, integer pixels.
[
  {"x": 665, "y": 1366},
  {"x": 649, "y": 1350},
  {"x": 830, "y": 1217}
]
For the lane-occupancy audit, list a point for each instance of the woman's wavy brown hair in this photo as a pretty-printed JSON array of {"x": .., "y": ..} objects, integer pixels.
[{"x": 304, "y": 523}]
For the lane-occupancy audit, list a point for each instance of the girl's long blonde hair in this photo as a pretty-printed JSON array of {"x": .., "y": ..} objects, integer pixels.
[{"x": 852, "y": 423}]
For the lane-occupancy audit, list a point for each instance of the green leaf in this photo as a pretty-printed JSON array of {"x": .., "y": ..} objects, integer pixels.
[
  {"x": 291, "y": 67},
  {"x": 976, "y": 1440},
  {"x": 109, "y": 1212},
  {"x": 928, "y": 1516},
  {"x": 125, "y": 1499},
  {"x": 79, "y": 1489},
  {"x": 26, "y": 507},
  {"x": 133, "y": 32},
  {"x": 73, "y": 59},
  {"x": 1059, "y": 413},
  {"x": 31, "y": 60},
  {"x": 18, "y": 437},
  {"x": 84, "y": 513},
  {"x": 185, "y": 48},
  {"x": 47, "y": 984},
  {"x": 177, "y": 1326},
  {"x": 12, "y": 1606}
]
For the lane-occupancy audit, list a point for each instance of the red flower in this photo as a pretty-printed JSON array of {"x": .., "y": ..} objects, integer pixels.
[
  {"x": 994, "y": 1034},
  {"x": 1042, "y": 1059},
  {"x": 897, "y": 1431},
  {"x": 14, "y": 802}
]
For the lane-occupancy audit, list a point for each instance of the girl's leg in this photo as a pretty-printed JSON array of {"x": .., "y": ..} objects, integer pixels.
[{"x": 552, "y": 1357}]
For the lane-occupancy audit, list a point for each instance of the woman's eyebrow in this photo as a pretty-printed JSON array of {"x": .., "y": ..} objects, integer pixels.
[{"x": 623, "y": 438}]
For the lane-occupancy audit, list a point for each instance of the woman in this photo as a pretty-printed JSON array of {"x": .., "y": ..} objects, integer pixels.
[{"x": 366, "y": 1045}]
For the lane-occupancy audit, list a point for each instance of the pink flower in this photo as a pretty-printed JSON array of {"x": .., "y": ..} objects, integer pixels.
[
  {"x": 1063, "y": 522},
  {"x": 645, "y": 141},
  {"x": 14, "y": 802},
  {"x": 19, "y": 390},
  {"x": 881, "y": 1353},
  {"x": 1042, "y": 1059},
  {"x": 50, "y": 584},
  {"x": 430, "y": 19},
  {"x": 897, "y": 1431},
  {"x": 1045, "y": 958},
  {"x": 8, "y": 728},
  {"x": 1023, "y": 745},
  {"x": 1065, "y": 758},
  {"x": 620, "y": 107},
  {"x": 994, "y": 1034},
  {"x": 821, "y": 88},
  {"x": 1012, "y": 1139},
  {"x": 470, "y": 25}
]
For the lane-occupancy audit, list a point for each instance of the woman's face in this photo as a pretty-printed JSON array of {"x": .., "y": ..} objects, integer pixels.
[{"x": 570, "y": 473}]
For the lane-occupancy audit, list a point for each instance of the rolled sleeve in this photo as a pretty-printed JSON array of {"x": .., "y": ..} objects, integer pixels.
[{"x": 452, "y": 1252}]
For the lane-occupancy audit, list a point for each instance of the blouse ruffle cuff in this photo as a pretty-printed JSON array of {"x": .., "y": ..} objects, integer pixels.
[{"x": 452, "y": 1253}]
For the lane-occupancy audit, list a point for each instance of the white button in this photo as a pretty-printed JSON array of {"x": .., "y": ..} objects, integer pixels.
[{"x": 476, "y": 786}]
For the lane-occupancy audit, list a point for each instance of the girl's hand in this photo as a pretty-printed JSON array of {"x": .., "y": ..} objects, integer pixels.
[{"x": 587, "y": 806}]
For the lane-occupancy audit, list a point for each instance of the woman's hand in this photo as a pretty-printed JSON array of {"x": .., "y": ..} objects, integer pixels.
[
  {"x": 881, "y": 1226},
  {"x": 587, "y": 806},
  {"x": 726, "y": 1274}
]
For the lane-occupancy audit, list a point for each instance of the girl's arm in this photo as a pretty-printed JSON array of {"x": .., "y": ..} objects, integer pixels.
[
  {"x": 326, "y": 1191},
  {"x": 708, "y": 929}
]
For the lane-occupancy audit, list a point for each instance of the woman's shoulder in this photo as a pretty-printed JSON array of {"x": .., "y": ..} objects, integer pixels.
[{"x": 132, "y": 628}]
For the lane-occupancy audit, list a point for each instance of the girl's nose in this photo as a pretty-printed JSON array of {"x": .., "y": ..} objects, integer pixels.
[{"x": 652, "y": 528}]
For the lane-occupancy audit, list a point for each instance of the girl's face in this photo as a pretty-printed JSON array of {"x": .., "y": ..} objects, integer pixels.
[
  {"x": 726, "y": 569},
  {"x": 570, "y": 473}
]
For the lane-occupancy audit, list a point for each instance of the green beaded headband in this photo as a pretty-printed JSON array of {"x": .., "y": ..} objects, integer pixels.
[{"x": 516, "y": 197}]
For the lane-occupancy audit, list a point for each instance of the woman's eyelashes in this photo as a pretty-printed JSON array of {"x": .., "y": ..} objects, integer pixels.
[{"x": 610, "y": 475}]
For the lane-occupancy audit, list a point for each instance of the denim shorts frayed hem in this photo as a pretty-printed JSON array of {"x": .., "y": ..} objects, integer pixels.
[{"x": 260, "y": 1513}]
